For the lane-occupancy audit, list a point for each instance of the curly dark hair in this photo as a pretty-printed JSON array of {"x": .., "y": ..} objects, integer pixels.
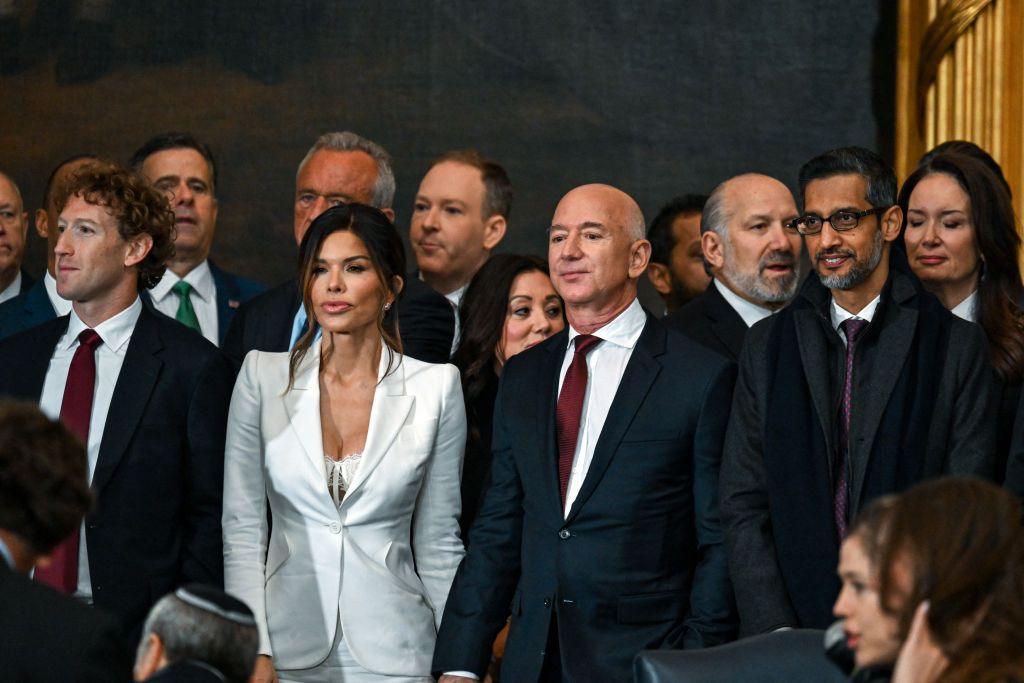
[
  {"x": 44, "y": 489},
  {"x": 137, "y": 207}
]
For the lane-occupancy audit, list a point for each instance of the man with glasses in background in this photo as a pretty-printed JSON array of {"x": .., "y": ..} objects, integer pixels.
[{"x": 861, "y": 387}]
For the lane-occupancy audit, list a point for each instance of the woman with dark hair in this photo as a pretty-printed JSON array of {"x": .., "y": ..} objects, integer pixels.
[
  {"x": 509, "y": 307},
  {"x": 357, "y": 450},
  {"x": 962, "y": 242},
  {"x": 947, "y": 566}
]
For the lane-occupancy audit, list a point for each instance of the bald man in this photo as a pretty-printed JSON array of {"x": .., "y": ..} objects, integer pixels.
[
  {"x": 753, "y": 257},
  {"x": 600, "y": 524},
  {"x": 13, "y": 228}
]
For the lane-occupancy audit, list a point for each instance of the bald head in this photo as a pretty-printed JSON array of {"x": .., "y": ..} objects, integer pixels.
[
  {"x": 746, "y": 243},
  {"x": 615, "y": 205},
  {"x": 13, "y": 226}
]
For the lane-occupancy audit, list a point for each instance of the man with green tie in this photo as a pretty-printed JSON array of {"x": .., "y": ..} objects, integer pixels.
[{"x": 193, "y": 290}]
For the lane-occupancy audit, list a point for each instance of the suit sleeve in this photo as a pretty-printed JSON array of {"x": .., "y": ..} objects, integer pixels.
[
  {"x": 245, "y": 499},
  {"x": 426, "y": 324},
  {"x": 203, "y": 560},
  {"x": 436, "y": 543},
  {"x": 479, "y": 601},
  {"x": 972, "y": 442},
  {"x": 760, "y": 591},
  {"x": 103, "y": 654},
  {"x": 712, "y": 617}
]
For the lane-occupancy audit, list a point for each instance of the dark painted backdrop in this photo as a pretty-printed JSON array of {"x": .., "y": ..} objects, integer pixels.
[{"x": 659, "y": 98}]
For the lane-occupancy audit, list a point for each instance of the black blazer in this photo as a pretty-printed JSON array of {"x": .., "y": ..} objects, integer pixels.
[
  {"x": 711, "y": 321},
  {"x": 232, "y": 291},
  {"x": 51, "y": 637},
  {"x": 638, "y": 563},
  {"x": 159, "y": 476},
  {"x": 426, "y": 323}
]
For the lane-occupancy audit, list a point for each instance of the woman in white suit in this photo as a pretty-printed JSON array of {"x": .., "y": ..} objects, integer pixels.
[{"x": 358, "y": 452}]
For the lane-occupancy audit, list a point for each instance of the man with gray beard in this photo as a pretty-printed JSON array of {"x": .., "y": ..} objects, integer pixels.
[
  {"x": 862, "y": 386},
  {"x": 752, "y": 251}
]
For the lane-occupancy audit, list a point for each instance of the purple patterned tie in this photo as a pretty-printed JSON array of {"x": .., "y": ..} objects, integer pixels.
[
  {"x": 570, "y": 408},
  {"x": 852, "y": 327}
]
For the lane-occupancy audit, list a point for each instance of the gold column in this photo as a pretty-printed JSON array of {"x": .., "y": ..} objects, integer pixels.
[{"x": 960, "y": 76}]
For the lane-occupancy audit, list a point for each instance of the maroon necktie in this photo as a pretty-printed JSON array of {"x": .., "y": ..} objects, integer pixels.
[
  {"x": 570, "y": 408},
  {"x": 75, "y": 410},
  {"x": 852, "y": 327}
]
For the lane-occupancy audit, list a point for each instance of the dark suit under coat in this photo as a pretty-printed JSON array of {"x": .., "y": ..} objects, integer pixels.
[
  {"x": 48, "y": 637},
  {"x": 711, "y": 321},
  {"x": 961, "y": 435},
  {"x": 426, "y": 323},
  {"x": 159, "y": 474},
  {"x": 638, "y": 562}
]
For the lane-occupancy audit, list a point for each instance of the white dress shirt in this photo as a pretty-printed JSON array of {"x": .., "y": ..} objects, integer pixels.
[
  {"x": 965, "y": 309},
  {"x": 839, "y": 315},
  {"x": 750, "y": 312},
  {"x": 455, "y": 299},
  {"x": 203, "y": 296},
  {"x": 61, "y": 305},
  {"x": 115, "y": 332},
  {"x": 12, "y": 290}
]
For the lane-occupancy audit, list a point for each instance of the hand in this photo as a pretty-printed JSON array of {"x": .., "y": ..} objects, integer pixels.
[
  {"x": 456, "y": 679},
  {"x": 264, "y": 671},
  {"x": 920, "y": 659}
]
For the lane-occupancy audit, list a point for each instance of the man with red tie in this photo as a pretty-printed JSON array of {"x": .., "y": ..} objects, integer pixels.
[
  {"x": 148, "y": 398},
  {"x": 600, "y": 524}
]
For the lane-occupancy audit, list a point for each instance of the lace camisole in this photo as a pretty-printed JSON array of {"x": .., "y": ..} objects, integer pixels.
[{"x": 340, "y": 474}]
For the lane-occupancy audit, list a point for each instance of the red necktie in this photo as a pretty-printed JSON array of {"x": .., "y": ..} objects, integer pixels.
[
  {"x": 570, "y": 408},
  {"x": 75, "y": 410}
]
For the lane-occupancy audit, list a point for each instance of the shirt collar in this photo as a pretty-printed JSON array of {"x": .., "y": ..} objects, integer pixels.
[
  {"x": 200, "y": 277},
  {"x": 965, "y": 309},
  {"x": 750, "y": 312},
  {"x": 455, "y": 297},
  {"x": 11, "y": 290},
  {"x": 61, "y": 305},
  {"x": 623, "y": 330},
  {"x": 840, "y": 314},
  {"x": 6, "y": 555},
  {"x": 115, "y": 332}
]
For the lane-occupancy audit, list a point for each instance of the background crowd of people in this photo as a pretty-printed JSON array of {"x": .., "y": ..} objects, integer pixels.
[{"x": 468, "y": 464}]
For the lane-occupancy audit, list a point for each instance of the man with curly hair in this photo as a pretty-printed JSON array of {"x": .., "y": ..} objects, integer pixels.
[{"x": 146, "y": 395}]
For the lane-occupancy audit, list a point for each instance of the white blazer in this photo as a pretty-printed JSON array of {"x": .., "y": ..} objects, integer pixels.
[{"x": 356, "y": 560}]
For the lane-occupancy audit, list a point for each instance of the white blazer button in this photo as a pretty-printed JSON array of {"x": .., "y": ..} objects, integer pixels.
[{"x": 335, "y": 528}]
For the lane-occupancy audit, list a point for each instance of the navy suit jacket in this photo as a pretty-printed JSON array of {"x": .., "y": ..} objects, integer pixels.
[
  {"x": 639, "y": 561},
  {"x": 32, "y": 307},
  {"x": 159, "y": 475}
]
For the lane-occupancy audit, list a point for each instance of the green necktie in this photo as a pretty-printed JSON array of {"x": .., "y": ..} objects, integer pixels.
[{"x": 186, "y": 315}]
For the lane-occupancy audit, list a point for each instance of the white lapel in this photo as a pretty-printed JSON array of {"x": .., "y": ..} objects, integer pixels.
[
  {"x": 302, "y": 403},
  {"x": 388, "y": 413}
]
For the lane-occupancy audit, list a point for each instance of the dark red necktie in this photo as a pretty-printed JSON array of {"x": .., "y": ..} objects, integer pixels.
[
  {"x": 570, "y": 408},
  {"x": 852, "y": 327},
  {"x": 75, "y": 410}
]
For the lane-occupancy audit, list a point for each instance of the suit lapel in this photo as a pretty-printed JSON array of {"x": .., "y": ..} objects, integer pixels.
[
  {"x": 302, "y": 404},
  {"x": 390, "y": 408},
  {"x": 726, "y": 323},
  {"x": 640, "y": 373},
  {"x": 139, "y": 374},
  {"x": 30, "y": 371},
  {"x": 814, "y": 354},
  {"x": 38, "y": 308},
  {"x": 547, "y": 399},
  {"x": 227, "y": 293}
]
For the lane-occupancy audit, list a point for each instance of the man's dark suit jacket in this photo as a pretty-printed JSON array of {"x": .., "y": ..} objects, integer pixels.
[
  {"x": 961, "y": 436},
  {"x": 711, "y": 321},
  {"x": 52, "y": 637},
  {"x": 32, "y": 307},
  {"x": 638, "y": 563},
  {"x": 425, "y": 318},
  {"x": 159, "y": 475}
]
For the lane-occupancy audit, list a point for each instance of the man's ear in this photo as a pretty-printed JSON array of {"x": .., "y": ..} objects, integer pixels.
[
  {"x": 660, "y": 277},
  {"x": 149, "y": 657},
  {"x": 639, "y": 258},
  {"x": 42, "y": 224},
  {"x": 892, "y": 221},
  {"x": 494, "y": 231},
  {"x": 714, "y": 250},
  {"x": 390, "y": 213},
  {"x": 138, "y": 248}
]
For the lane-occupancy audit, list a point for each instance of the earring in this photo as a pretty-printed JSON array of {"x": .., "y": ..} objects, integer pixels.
[{"x": 387, "y": 306}]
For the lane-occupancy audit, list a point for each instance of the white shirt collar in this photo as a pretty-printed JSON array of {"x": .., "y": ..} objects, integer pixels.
[
  {"x": 12, "y": 290},
  {"x": 60, "y": 305},
  {"x": 840, "y": 314},
  {"x": 623, "y": 330},
  {"x": 750, "y": 312},
  {"x": 199, "y": 277},
  {"x": 965, "y": 309},
  {"x": 115, "y": 332},
  {"x": 456, "y": 297}
]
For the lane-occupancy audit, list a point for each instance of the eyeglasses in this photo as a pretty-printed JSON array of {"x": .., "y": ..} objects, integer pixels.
[{"x": 841, "y": 220}]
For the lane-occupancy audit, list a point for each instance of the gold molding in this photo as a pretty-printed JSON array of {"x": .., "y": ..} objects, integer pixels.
[{"x": 951, "y": 21}]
